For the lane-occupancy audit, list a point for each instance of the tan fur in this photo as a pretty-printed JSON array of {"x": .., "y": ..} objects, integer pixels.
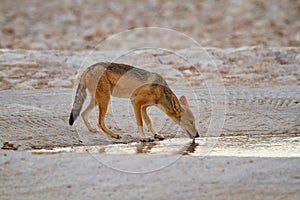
[{"x": 144, "y": 89}]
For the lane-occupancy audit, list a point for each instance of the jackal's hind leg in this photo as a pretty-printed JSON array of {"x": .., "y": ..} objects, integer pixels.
[
  {"x": 103, "y": 99},
  {"x": 149, "y": 124},
  {"x": 85, "y": 115}
]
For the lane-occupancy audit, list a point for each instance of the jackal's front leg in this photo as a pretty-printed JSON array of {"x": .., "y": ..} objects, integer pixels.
[
  {"x": 149, "y": 124},
  {"x": 138, "y": 115}
]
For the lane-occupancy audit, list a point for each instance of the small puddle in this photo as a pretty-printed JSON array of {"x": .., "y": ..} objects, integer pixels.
[
  {"x": 173, "y": 146},
  {"x": 240, "y": 146}
]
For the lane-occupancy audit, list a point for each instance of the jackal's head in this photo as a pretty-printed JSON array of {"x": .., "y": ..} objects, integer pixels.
[{"x": 187, "y": 119}]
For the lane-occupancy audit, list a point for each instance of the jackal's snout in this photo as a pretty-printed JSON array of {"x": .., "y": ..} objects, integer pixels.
[
  {"x": 187, "y": 120},
  {"x": 192, "y": 136}
]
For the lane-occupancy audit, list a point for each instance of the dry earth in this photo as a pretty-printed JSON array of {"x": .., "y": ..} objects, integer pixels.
[
  {"x": 246, "y": 99},
  {"x": 79, "y": 25},
  {"x": 39, "y": 118},
  {"x": 250, "y": 147},
  {"x": 79, "y": 176},
  {"x": 196, "y": 66}
]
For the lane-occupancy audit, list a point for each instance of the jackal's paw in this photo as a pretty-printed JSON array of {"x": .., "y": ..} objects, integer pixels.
[
  {"x": 159, "y": 136},
  {"x": 93, "y": 130},
  {"x": 117, "y": 136},
  {"x": 147, "y": 139}
]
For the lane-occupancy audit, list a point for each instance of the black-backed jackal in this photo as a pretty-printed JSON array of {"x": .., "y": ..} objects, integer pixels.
[{"x": 142, "y": 87}]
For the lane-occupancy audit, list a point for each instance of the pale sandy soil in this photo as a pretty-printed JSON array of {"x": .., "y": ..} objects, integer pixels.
[
  {"x": 246, "y": 99},
  {"x": 37, "y": 119},
  {"x": 196, "y": 66},
  {"x": 250, "y": 147},
  {"x": 79, "y": 25},
  {"x": 80, "y": 176}
]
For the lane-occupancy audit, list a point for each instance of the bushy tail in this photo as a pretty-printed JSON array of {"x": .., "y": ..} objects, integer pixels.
[{"x": 78, "y": 102}]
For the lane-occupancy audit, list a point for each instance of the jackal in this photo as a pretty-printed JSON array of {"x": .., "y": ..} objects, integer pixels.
[{"x": 144, "y": 89}]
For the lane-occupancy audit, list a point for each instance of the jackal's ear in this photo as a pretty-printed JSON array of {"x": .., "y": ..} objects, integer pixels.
[{"x": 184, "y": 101}]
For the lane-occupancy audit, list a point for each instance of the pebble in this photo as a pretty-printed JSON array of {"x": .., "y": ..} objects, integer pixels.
[
  {"x": 16, "y": 71},
  {"x": 38, "y": 45},
  {"x": 60, "y": 83},
  {"x": 297, "y": 59},
  {"x": 2, "y": 74},
  {"x": 40, "y": 74},
  {"x": 27, "y": 85}
]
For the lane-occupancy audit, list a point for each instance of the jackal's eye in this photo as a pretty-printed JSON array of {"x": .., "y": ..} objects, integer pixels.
[{"x": 191, "y": 122}]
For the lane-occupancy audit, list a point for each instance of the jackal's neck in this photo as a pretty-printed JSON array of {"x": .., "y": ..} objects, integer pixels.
[{"x": 171, "y": 105}]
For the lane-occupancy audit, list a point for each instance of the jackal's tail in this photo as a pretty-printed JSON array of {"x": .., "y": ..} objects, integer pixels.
[{"x": 78, "y": 102}]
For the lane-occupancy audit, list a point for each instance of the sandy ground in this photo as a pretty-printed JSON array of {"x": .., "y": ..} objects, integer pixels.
[
  {"x": 249, "y": 149},
  {"x": 196, "y": 66},
  {"x": 78, "y": 25},
  {"x": 80, "y": 176},
  {"x": 243, "y": 86},
  {"x": 35, "y": 119}
]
